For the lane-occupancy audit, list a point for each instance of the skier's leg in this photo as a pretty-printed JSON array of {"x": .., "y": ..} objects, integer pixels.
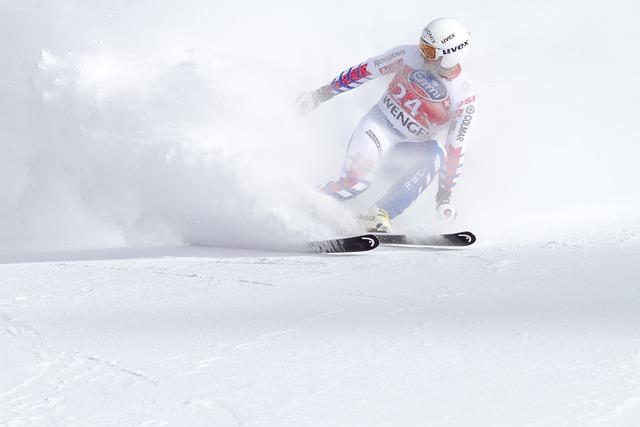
[
  {"x": 420, "y": 162},
  {"x": 369, "y": 144}
]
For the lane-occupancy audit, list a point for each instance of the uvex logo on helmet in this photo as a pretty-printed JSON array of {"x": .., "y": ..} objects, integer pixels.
[
  {"x": 455, "y": 48},
  {"x": 449, "y": 37}
]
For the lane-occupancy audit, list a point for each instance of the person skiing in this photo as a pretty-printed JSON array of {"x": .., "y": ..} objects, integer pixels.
[{"x": 428, "y": 96}]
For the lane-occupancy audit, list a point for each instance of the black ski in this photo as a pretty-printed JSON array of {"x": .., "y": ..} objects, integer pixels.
[
  {"x": 362, "y": 243},
  {"x": 464, "y": 238}
]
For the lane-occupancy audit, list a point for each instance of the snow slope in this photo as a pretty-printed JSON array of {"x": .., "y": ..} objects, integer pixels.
[
  {"x": 537, "y": 334},
  {"x": 128, "y": 129}
]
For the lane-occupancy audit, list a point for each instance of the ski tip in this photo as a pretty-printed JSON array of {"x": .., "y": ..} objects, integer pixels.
[
  {"x": 371, "y": 240},
  {"x": 362, "y": 243},
  {"x": 466, "y": 237}
]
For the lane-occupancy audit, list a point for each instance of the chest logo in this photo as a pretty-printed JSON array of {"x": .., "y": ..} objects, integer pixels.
[{"x": 427, "y": 85}]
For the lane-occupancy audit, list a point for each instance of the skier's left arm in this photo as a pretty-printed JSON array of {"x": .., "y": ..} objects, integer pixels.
[{"x": 456, "y": 140}]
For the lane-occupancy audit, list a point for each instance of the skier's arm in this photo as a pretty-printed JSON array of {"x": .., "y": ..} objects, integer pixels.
[
  {"x": 387, "y": 63},
  {"x": 456, "y": 140}
]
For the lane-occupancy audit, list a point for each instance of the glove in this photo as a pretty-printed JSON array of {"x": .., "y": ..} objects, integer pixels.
[
  {"x": 308, "y": 101},
  {"x": 445, "y": 211}
]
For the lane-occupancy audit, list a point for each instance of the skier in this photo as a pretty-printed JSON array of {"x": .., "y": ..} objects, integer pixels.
[{"x": 429, "y": 94}]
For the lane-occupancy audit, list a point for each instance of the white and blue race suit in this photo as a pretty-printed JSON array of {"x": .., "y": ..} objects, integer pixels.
[{"x": 402, "y": 130}]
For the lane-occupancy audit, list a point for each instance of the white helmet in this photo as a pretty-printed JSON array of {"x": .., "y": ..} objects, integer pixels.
[{"x": 445, "y": 38}]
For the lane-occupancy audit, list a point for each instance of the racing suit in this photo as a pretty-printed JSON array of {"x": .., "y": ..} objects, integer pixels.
[{"x": 403, "y": 128}]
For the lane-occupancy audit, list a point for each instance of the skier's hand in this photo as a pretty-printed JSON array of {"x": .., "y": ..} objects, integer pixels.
[
  {"x": 306, "y": 102},
  {"x": 446, "y": 212}
]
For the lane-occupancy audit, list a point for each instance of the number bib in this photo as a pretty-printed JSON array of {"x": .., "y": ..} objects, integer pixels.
[{"x": 416, "y": 103}]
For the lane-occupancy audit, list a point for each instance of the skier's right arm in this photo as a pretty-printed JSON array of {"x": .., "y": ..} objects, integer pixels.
[{"x": 387, "y": 63}]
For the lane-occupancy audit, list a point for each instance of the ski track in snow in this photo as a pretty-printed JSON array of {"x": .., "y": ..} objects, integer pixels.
[{"x": 533, "y": 334}]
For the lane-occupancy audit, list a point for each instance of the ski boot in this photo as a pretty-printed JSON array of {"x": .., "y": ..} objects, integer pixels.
[{"x": 376, "y": 221}]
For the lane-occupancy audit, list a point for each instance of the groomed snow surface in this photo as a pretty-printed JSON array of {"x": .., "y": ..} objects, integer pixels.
[
  {"x": 154, "y": 180},
  {"x": 537, "y": 334}
]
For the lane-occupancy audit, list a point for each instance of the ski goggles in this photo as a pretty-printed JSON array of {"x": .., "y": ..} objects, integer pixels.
[{"x": 428, "y": 51}]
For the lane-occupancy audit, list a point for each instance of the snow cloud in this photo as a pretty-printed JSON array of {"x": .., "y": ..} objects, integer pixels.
[{"x": 147, "y": 123}]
